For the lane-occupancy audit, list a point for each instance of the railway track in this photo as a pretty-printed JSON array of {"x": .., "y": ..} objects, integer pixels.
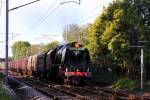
[
  {"x": 112, "y": 94},
  {"x": 98, "y": 93},
  {"x": 62, "y": 92},
  {"x": 65, "y": 92},
  {"x": 57, "y": 92},
  {"x": 49, "y": 89}
]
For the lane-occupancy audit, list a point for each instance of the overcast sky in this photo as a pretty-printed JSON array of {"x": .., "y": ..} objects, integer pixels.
[{"x": 36, "y": 23}]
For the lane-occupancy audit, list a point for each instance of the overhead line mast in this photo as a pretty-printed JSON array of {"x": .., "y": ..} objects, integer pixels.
[
  {"x": 7, "y": 33},
  {"x": 6, "y": 51}
]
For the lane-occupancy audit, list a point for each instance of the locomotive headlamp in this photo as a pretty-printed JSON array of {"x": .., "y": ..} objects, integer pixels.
[
  {"x": 77, "y": 70},
  {"x": 60, "y": 67},
  {"x": 88, "y": 69},
  {"x": 66, "y": 69}
]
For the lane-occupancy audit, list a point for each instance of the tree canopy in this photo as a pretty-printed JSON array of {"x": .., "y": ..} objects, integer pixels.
[
  {"x": 108, "y": 36},
  {"x": 21, "y": 49},
  {"x": 76, "y": 33},
  {"x": 37, "y": 48},
  {"x": 51, "y": 45},
  {"x": 72, "y": 33}
]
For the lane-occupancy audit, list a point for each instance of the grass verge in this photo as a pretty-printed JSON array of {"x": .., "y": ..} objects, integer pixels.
[
  {"x": 126, "y": 84},
  {"x": 5, "y": 92}
]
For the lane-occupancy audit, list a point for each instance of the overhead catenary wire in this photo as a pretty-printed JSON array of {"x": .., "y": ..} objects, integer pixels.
[
  {"x": 2, "y": 42},
  {"x": 23, "y": 5},
  {"x": 48, "y": 13},
  {"x": 11, "y": 37},
  {"x": 2, "y": 33},
  {"x": 52, "y": 11},
  {"x": 70, "y": 2},
  {"x": 46, "y": 36},
  {"x": 0, "y": 7},
  {"x": 88, "y": 18},
  {"x": 88, "y": 15}
]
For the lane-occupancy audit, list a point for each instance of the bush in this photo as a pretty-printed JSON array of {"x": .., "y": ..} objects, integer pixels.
[
  {"x": 1, "y": 76},
  {"x": 125, "y": 83},
  {"x": 5, "y": 92},
  {"x": 107, "y": 78},
  {"x": 103, "y": 75}
]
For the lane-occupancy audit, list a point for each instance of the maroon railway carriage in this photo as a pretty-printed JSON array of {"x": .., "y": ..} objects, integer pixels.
[
  {"x": 16, "y": 69},
  {"x": 19, "y": 66},
  {"x": 10, "y": 64},
  {"x": 13, "y": 64},
  {"x": 23, "y": 66},
  {"x": 31, "y": 66},
  {"x": 34, "y": 65}
]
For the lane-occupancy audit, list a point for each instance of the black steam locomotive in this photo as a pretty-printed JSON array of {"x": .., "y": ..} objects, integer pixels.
[{"x": 69, "y": 63}]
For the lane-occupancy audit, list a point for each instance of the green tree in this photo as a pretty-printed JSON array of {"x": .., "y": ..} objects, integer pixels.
[
  {"x": 108, "y": 40},
  {"x": 77, "y": 33},
  {"x": 51, "y": 45},
  {"x": 21, "y": 49},
  {"x": 72, "y": 33},
  {"x": 36, "y": 48}
]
